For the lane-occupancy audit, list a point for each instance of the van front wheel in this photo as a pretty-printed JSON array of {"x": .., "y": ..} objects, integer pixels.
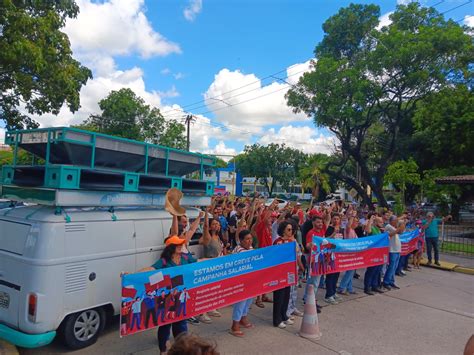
[{"x": 82, "y": 329}]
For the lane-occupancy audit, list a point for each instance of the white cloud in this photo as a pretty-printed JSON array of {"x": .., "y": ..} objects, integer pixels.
[
  {"x": 241, "y": 100},
  {"x": 403, "y": 2},
  {"x": 165, "y": 71},
  {"x": 116, "y": 27},
  {"x": 384, "y": 20},
  {"x": 178, "y": 76},
  {"x": 469, "y": 20},
  {"x": 169, "y": 93},
  {"x": 222, "y": 150},
  {"x": 2, "y": 135},
  {"x": 305, "y": 138},
  {"x": 192, "y": 10}
]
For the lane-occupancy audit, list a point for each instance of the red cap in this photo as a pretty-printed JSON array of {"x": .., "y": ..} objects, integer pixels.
[{"x": 313, "y": 213}]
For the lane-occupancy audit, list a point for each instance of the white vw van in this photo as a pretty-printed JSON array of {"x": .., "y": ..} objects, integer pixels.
[{"x": 60, "y": 272}]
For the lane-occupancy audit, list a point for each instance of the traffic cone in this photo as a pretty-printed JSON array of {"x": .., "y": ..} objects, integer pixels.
[{"x": 310, "y": 324}]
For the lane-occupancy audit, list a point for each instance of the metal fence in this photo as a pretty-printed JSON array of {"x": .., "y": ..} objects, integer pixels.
[{"x": 457, "y": 239}]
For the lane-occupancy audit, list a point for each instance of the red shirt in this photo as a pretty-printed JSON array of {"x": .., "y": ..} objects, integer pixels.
[
  {"x": 264, "y": 235},
  {"x": 313, "y": 232}
]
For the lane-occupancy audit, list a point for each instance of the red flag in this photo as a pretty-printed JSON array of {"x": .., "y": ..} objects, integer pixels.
[
  {"x": 128, "y": 292},
  {"x": 166, "y": 283}
]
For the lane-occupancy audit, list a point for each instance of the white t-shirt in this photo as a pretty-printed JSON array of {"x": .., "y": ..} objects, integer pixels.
[
  {"x": 395, "y": 244},
  {"x": 275, "y": 230}
]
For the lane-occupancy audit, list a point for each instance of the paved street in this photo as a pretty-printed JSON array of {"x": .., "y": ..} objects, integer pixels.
[{"x": 433, "y": 313}]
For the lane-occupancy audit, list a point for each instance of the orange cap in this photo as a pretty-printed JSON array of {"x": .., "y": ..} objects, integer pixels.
[{"x": 175, "y": 240}]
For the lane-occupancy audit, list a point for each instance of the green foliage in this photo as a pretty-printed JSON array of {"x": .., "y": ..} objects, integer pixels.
[
  {"x": 270, "y": 164},
  {"x": 444, "y": 130},
  {"x": 366, "y": 84},
  {"x": 36, "y": 63},
  {"x": 126, "y": 115},
  {"x": 220, "y": 163},
  {"x": 311, "y": 175},
  {"x": 403, "y": 173}
]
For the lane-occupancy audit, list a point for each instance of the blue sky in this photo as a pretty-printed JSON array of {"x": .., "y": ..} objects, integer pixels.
[{"x": 174, "y": 53}]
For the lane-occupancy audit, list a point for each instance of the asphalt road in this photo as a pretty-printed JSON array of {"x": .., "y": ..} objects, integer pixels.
[{"x": 432, "y": 313}]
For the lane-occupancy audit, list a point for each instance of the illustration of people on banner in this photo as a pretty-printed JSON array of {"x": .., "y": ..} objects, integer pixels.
[
  {"x": 410, "y": 241},
  {"x": 158, "y": 297},
  {"x": 337, "y": 255}
]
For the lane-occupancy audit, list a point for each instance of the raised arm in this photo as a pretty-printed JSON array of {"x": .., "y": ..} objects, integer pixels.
[
  {"x": 174, "y": 226},
  {"x": 194, "y": 226},
  {"x": 206, "y": 236}
]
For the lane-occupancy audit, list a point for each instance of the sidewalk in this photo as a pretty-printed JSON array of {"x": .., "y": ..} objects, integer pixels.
[
  {"x": 452, "y": 262},
  {"x": 432, "y": 313},
  {"x": 7, "y": 348}
]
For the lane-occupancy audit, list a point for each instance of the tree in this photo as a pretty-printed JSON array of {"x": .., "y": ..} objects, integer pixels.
[
  {"x": 403, "y": 173},
  {"x": 312, "y": 177},
  {"x": 37, "y": 69},
  {"x": 444, "y": 133},
  {"x": 366, "y": 84},
  {"x": 272, "y": 164},
  {"x": 126, "y": 115}
]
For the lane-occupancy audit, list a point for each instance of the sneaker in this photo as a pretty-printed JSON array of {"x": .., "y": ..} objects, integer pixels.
[
  {"x": 215, "y": 313},
  {"x": 429, "y": 262},
  {"x": 330, "y": 300},
  {"x": 368, "y": 292},
  {"x": 282, "y": 325},
  {"x": 291, "y": 318},
  {"x": 345, "y": 293},
  {"x": 394, "y": 286},
  {"x": 386, "y": 287},
  {"x": 356, "y": 276},
  {"x": 205, "y": 319},
  {"x": 193, "y": 320},
  {"x": 289, "y": 322},
  {"x": 403, "y": 273},
  {"x": 337, "y": 297},
  {"x": 378, "y": 290},
  {"x": 352, "y": 293},
  {"x": 437, "y": 263},
  {"x": 298, "y": 313}
]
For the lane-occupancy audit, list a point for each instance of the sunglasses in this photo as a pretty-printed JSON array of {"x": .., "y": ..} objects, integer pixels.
[{"x": 289, "y": 229}]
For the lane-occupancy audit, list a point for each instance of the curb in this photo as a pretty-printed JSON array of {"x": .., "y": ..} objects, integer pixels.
[
  {"x": 7, "y": 348},
  {"x": 464, "y": 270},
  {"x": 449, "y": 267}
]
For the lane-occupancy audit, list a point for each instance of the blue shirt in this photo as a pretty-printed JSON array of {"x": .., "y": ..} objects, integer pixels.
[
  {"x": 432, "y": 230},
  {"x": 149, "y": 302},
  {"x": 185, "y": 259},
  {"x": 224, "y": 224}
]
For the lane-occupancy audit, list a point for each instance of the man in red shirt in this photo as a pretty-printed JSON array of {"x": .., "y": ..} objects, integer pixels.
[{"x": 318, "y": 230}]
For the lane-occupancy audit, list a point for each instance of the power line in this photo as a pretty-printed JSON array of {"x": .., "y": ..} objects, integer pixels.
[{"x": 456, "y": 7}]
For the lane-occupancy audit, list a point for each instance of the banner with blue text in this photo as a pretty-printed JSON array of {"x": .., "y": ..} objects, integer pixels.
[
  {"x": 337, "y": 255},
  {"x": 158, "y": 297}
]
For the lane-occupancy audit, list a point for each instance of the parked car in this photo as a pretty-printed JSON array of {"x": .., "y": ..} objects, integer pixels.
[
  {"x": 57, "y": 272},
  {"x": 281, "y": 203}
]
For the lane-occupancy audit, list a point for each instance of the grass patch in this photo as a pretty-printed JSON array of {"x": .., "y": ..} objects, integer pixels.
[{"x": 459, "y": 247}]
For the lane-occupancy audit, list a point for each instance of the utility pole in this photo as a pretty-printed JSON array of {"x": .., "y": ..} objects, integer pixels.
[{"x": 188, "y": 120}]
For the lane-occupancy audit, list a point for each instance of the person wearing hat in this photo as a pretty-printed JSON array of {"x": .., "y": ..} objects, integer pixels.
[{"x": 171, "y": 256}]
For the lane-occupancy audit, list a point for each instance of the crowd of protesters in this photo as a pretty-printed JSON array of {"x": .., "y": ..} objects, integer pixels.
[{"x": 244, "y": 224}]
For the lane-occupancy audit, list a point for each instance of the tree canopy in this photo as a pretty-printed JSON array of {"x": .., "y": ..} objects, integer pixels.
[
  {"x": 37, "y": 69},
  {"x": 272, "y": 164},
  {"x": 367, "y": 83},
  {"x": 126, "y": 115}
]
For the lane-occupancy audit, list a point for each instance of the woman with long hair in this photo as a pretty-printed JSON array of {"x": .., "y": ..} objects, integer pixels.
[
  {"x": 213, "y": 247},
  {"x": 240, "y": 309},
  {"x": 171, "y": 256},
  {"x": 281, "y": 297}
]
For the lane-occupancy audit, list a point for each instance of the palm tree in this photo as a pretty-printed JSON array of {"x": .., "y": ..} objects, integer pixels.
[{"x": 312, "y": 177}]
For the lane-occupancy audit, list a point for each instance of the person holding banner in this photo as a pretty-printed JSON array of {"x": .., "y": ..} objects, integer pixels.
[
  {"x": 334, "y": 231},
  {"x": 241, "y": 309},
  {"x": 345, "y": 286},
  {"x": 393, "y": 229},
  {"x": 372, "y": 275},
  {"x": 171, "y": 256},
  {"x": 281, "y": 297},
  {"x": 318, "y": 230},
  {"x": 213, "y": 247}
]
